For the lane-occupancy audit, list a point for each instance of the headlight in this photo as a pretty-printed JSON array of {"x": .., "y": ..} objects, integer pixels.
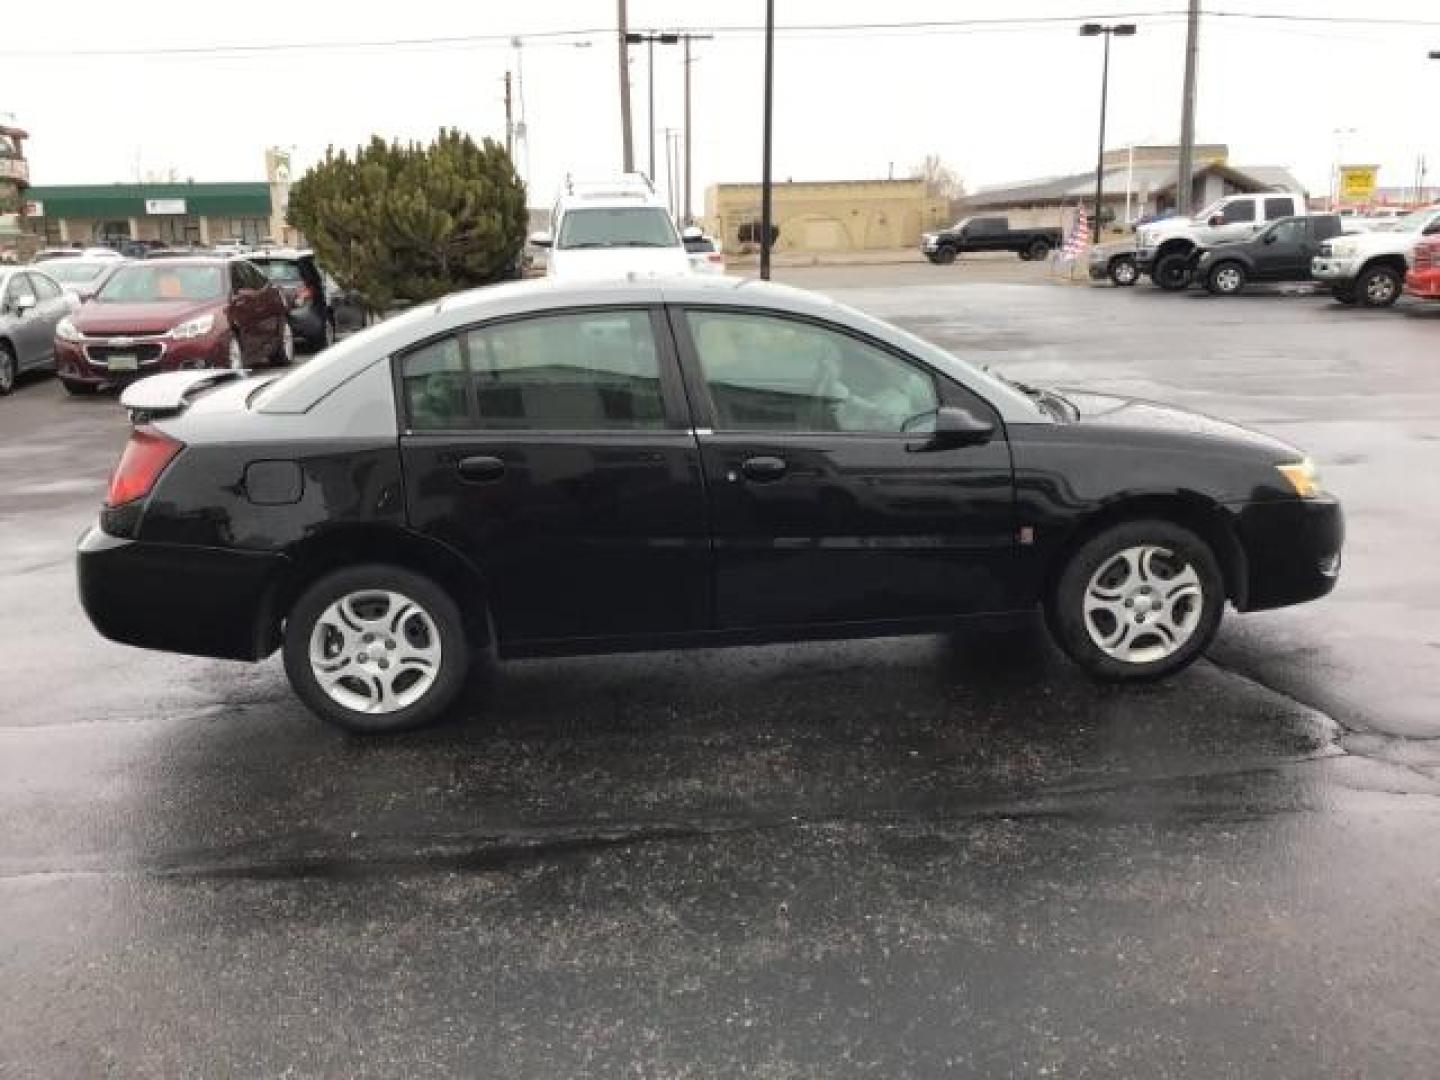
[
  {"x": 66, "y": 331},
  {"x": 194, "y": 328},
  {"x": 1303, "y": 477}
]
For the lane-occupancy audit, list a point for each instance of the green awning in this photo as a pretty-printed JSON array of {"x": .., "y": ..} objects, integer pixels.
[{"x": 120, "y": 201}]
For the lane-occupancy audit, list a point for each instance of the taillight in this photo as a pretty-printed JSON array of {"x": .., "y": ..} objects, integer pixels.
[
  {"x": 715, "y": 257},
  {"x": 143, "y": 460},
  {"x": 1427, "y": 256}
]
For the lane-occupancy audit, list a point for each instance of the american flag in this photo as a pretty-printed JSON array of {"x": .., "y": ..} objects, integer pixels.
[{"x": 1078, "y": 242}]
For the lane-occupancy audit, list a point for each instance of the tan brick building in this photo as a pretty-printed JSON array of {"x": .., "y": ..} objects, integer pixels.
[{"x": 826, "y": 215}]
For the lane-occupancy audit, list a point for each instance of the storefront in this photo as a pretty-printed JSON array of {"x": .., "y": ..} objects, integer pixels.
[{"x": 175, "y": 214}]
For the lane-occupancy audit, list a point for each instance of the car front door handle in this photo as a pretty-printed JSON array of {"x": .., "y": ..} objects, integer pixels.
[
  {"x": 762, "y": 470},
  {"x": 480, "y": 470}
]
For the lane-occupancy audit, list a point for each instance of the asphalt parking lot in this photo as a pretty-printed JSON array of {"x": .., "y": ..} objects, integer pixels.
[{"x": 923, "y": 857}]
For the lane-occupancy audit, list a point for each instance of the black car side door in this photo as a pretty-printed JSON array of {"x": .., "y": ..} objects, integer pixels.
[
  {"x": 556, "y": 453},
  {"x": 826, "y": 506},
  {"x": 1279, "y": 254}
]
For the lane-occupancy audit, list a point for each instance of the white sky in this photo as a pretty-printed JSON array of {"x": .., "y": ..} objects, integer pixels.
[{"x": 997, "y": 104}]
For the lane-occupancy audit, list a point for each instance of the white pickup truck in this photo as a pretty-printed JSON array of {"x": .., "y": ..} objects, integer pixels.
[
  {"x": 1369, "y": 268},
  {"x": 1165, "y": 249}
]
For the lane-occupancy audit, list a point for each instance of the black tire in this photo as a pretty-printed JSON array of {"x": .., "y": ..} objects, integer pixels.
[
  {"x": 9, "y": 369},
  {"x": 945, "y": 254},
  {"x": 1065, "y": 610},
  {"x": 1343, "y": 293},
  {"x": 1172, "y": 271},
  {"x": 78, "y": 389},
  {"x": 1378, "y": 286},
  {"x": 1226, "y": 278},
  {"x": 431, "y": 600},
  {"x": 1123, "y": 271},
  {"x": 1024, "y": 255},
  {"x": 1038, "y": 251}
]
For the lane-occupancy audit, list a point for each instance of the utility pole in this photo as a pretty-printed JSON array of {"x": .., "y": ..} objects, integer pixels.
[
  {"x": 509, "y": 121},
  {"x": 1184, "y": 182},
  {"x": 689, "y": 187},
  {"x": 765, "y": 193},
  {"x": 672, "y": 194},
  {"x": 627, "y": 149},
  {"x": 649, "y": 39}
]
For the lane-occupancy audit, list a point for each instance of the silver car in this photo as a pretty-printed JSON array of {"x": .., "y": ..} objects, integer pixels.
[{"x": 32, "y": 303}]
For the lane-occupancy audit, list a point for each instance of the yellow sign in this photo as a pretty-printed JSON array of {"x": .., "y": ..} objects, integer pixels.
[{"x": 1357, "y": 182}]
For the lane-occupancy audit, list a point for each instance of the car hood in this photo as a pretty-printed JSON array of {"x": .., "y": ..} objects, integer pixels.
[
  {"x": 1154, "y": 418},
  {"x": 154, "y": 317},
  {"x": 610, "y": 263}
]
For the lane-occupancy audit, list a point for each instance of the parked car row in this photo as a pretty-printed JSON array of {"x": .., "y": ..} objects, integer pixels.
[{"x": 105, "y": 321}]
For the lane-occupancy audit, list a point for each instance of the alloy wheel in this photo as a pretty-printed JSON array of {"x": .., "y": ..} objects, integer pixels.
[
  {"x": 235, "y": 358},
  {"x": 287, "y": 344},
  {"x": 375, "y": 651},
  {"x": 1124, "y": 272},
  {"x": 7, "y": 371},
  {"x": 1143, "y": 604},
  {"x": 1228, "y": 279},
  {"x": 1380, "y": 289}
]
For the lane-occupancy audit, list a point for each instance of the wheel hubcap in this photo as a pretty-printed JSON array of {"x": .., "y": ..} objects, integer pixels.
[
  {"x": 1125, "y": 273},
  {"x": 1381, "y": 288},
  {"x": 1228, "y": 279},
  {"x": 375, "y": 651},
  {"x": 1143, "y": 604}
]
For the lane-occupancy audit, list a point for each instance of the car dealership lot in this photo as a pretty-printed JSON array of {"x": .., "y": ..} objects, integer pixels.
[{"x": 908, "y": 857}]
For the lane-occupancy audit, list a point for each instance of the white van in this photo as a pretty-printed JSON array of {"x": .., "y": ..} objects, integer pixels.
[{"x": 612, "y": 229}]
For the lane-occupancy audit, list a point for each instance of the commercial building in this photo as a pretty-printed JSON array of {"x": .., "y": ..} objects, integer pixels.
[
  {"x": 14, "y": 179},
  {"x": 829, "y": 215},
  {"x": 1138, "y": 181}
]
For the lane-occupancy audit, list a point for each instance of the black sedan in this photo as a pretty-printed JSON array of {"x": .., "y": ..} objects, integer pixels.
[{"x": 545, "y": 468}]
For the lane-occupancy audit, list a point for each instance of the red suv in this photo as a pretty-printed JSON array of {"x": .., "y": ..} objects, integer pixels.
[
  {"x": 1423, "y": 280},
  {"x": 165, "y": 316}
]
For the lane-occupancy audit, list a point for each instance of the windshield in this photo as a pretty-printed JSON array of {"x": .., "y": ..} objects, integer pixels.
[
  {"x": 617, "y": 226},
  {"x": 75, "y": 272},
  {"x": 132, "y": 284},
  {"x": 280, "y": 271},
  {"x": 1210, "y": 211}
]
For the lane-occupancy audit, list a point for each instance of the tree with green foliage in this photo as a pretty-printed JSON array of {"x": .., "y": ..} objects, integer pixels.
[{"x": 411, "y": 223}]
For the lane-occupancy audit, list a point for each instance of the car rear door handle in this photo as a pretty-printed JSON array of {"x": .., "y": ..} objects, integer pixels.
[
  {"x": 480, "y": 470},
  {"x": 762, "y": 470}
]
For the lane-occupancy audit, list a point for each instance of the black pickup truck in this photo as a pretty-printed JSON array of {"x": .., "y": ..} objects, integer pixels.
[
  {"x": 1282, "y": 252},
  {"x": 988, "y": 234}
]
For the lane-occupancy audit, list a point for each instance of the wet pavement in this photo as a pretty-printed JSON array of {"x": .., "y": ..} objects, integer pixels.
[{"x": 939, "y": 856}]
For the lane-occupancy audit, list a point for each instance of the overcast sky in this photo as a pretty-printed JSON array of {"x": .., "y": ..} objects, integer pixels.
[{"x": 998, "y": 103}]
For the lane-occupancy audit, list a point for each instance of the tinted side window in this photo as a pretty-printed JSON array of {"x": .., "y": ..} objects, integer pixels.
[
  {"x": 767, "y": 373},
  {"x": 1243, "y": 210},
  {"x": 436, "y": 387},
  {"x": 45, "y": 288},
  {"x": 1278, "y": 208},
  {"x": 587, "y": 371},
  {"x": 1290, "y": 232}
]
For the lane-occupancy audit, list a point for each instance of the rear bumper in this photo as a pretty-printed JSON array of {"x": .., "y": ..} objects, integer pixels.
[
  {"x": 195, "y": 600},
  {"x": 1423, "y": 283},
  {"x": 1292, "y": 549}
]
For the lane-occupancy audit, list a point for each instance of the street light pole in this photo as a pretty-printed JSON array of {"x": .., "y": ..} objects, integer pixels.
[
  {"x": 627, "y": 148},
  {"x": 765, "y": 153},
  {"x": 1098, "y": 30}
]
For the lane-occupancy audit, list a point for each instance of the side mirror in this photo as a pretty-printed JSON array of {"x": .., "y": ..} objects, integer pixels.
[
  {"x": 692, "y": 232},
  {"x": 1216, "y": 220},
  {"x": 542, "y": 239},
  {"x": 954, "y": 427}
]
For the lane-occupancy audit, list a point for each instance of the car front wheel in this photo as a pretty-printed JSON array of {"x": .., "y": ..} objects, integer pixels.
[
  {"x": 1123, "y": 271},
  {"x": 1227, "y": 279},
  {"x": 1379, "y": 286},
  {"x": 1172, "y": 272},
  {"x": 1138, "y": 601},
  {"x": 376, "y": 649},
  {"x": 944, "y": 255}
]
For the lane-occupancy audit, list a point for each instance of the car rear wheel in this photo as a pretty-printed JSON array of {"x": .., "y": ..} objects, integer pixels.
[
  {"x": 376, "y": 649},
  {"x": 8, "y": 369},
  {"x": 1227, "y": 279},
  {"x": 1123, "y": 271},
  {"x": 1038, "y": 251},
  {"x": 1172, "y": 272},
  {"x": 1379, "y": 286},
  {"x": 1138, "y": 601},
  {"x": 945, "y": 255}
]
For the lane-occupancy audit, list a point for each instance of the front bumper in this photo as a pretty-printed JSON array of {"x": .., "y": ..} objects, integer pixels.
[
  {"x": 1423, "y": 283},
  {"x": 1292, "y": 550},
  {"x": 82, "y": 362},
  {"x": 1333, "y": 267},
  {"x": 178, "y": 598}
]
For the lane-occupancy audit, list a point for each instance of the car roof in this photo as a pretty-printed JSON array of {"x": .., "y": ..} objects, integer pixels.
[
  {"x": 303, "y": 387},
  {"x": 264, "y": 254}
]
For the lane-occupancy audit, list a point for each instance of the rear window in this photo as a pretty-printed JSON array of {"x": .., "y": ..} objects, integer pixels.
[
  {"x": 700, "y": 246},
  {"x": 141, "y": 283},
  {"x": 280, "y": 271},
  {"x": 76, "y": 272}
]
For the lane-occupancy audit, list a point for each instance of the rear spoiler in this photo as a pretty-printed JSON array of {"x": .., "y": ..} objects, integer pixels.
[{"x": 170, "y": 393}]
